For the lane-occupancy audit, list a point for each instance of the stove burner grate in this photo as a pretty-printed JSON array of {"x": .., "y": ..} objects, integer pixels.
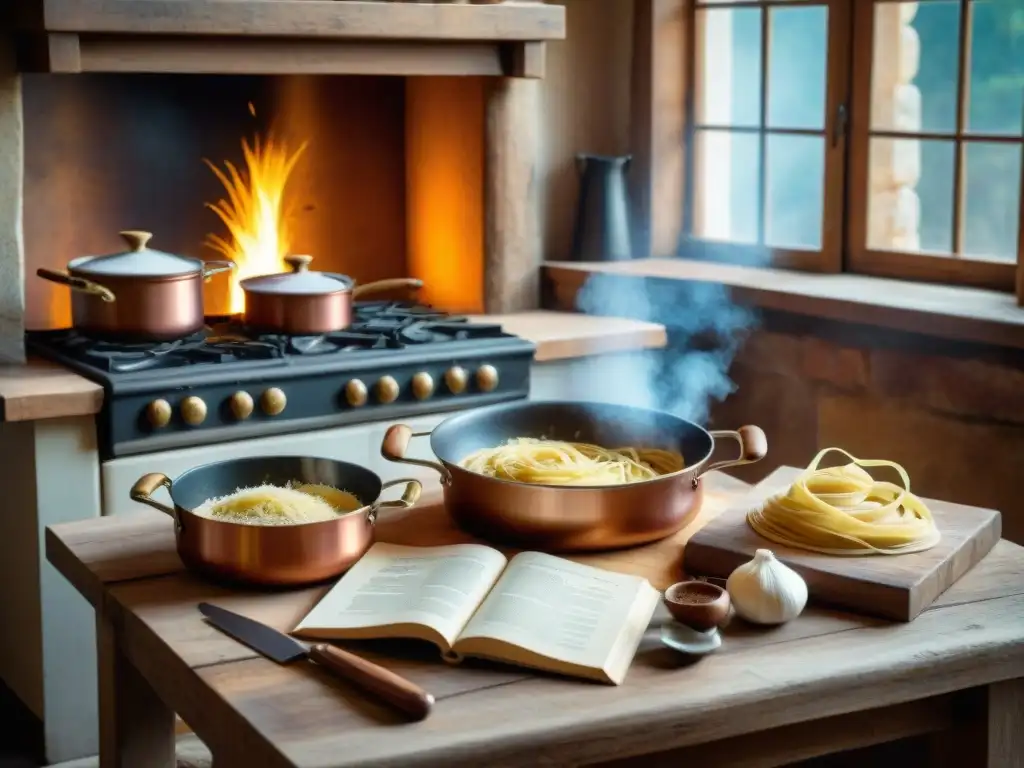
[{"x": 377, "y": 325}]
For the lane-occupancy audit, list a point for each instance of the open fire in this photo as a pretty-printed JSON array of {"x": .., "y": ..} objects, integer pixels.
[{"x": 256, "y": 212}]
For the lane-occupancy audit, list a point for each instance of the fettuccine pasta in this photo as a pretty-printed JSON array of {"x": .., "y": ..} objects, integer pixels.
[
  {"x": 554, "y": 462},
  {"x": 845, "y": 511}
]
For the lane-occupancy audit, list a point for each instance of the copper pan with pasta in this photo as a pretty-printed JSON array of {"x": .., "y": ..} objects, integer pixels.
[
  {"x": 273, "y": 520},
  {"x": 568, "y": 476}
]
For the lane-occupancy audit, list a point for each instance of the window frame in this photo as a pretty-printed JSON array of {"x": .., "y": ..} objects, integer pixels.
[
  {"x": 949, "y": 269},
  {"x": 829, "y": 257},
  {"x": 662, "y": 133}
]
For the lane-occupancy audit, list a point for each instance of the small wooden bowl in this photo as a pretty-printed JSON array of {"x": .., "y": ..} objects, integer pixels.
[{"x": 697, "y": 604}]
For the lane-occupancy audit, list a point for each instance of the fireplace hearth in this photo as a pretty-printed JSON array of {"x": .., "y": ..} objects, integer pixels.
[{"x": 419, "y": 118}]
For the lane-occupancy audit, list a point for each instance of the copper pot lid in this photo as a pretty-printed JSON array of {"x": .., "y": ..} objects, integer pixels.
[
  {"x": 300, "y": 281},
  {"x": 139, "y": 261}
]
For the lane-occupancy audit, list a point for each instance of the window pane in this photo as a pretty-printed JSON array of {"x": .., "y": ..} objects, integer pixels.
[
  {"x": 910, "y": 191},
  {"x": 729, "y": 67},
  {"x": 797, "y": 67},
  {"x": 992, "y": 200},
  {"x": 914, "y": 70},
  {"x": 996, "y": 100},
  {"x": 726, "y": 193},
  {"x": 795, "y": 197}
]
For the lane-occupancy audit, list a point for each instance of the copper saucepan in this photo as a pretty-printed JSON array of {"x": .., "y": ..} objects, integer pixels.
[
  {"x": 303, "y": 302},
  {"x": 141, "y": 294},
  {"x": 573, "y": 518},
  {"x": 279, "y": 555}
]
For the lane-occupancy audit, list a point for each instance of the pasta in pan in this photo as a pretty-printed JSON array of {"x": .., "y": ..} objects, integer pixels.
[
  {"x": 279, "y": 505},
  {"x": 555, "y": 462}
]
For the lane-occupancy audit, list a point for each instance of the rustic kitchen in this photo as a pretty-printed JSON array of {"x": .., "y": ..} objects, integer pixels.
[{"x": 421, "y": 383}]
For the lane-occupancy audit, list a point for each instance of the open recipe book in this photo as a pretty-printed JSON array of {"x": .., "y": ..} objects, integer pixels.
[{"x": 534, "y": 610}]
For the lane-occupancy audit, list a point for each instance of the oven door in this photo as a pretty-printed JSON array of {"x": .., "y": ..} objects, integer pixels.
[{"x": 358, "y": 444}]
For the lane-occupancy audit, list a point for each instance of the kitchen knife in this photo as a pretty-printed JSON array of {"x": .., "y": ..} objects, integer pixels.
[{"x": 372, "y": 678}]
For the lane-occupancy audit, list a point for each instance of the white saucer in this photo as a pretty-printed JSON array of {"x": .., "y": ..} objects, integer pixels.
[{"x": 680, "y": 637}]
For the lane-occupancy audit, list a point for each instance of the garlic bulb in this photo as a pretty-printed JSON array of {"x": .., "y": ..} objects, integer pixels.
[{"x": 765, "y": 591}]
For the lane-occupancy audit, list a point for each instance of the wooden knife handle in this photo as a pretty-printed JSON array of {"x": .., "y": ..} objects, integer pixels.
[{"x": 373, "y": 678}]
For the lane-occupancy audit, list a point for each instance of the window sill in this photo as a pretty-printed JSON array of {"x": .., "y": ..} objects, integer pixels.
[{"x": 951, "y": 312}]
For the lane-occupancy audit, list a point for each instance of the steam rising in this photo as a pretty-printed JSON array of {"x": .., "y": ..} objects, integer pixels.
[{"x": 705, "y": 329}]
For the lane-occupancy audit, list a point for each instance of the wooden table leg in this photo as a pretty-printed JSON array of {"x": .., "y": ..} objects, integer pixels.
[
  {"x": 136, "y": 727},
  {"x": 1005, "y": 733},
  {"x": 991, "y": 738}
]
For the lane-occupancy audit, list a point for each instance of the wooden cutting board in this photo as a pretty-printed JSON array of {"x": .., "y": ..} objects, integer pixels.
[{"x": 889, "y": 586}]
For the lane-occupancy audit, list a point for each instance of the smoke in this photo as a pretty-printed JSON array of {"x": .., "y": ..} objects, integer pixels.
[{"x": 706, "y": 329}]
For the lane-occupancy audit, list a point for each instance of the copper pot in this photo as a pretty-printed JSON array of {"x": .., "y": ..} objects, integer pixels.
[
  {"x": 303, "y": 302},
  {"x": 572, "y": 518},
  {"x": 141, "y": 294},
  {"x": 280, "y": 555}
]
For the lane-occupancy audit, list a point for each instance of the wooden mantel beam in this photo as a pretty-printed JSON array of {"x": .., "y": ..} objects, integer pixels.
[
  {"x": 277, "y": 37},
  {"x": 331, "y": 19}
]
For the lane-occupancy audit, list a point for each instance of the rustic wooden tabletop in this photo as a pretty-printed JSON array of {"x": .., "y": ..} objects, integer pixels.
[{"x": 826, "y": 682}]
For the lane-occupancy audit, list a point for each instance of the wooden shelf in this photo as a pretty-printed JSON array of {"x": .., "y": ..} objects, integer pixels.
[{"x": 285, "y": 36}]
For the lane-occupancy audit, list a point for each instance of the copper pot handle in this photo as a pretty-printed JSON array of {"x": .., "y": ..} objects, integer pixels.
[
  {"x": 216, "y": 266},
  {"x": 413, "y": 489},
  {"x": 144, "y": 489},
  {"x": 386, "y": 285},
  {"x": 753, "y": 446},
  {"x": 76, "y": 283},
  {"x": 396, "y": 443}
]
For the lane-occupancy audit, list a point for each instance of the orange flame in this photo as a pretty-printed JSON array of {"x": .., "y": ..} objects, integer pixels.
[{"x": 255, "y": 212}]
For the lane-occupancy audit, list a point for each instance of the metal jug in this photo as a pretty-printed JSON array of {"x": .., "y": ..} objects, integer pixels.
[{"x": 602, "y": 231}]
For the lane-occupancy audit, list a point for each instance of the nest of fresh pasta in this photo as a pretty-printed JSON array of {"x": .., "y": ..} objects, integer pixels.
[
  {"x": 845, "y": 511},
  {"x": 556, "y": 462},
  {"x": 274, "y": 505}
]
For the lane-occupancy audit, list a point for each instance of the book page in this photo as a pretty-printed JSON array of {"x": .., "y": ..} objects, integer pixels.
[
  {"x": 560, "y": 609},
  {"x": 439, "y": 587}
]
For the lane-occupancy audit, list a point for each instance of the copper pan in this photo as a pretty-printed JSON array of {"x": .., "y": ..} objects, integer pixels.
[
  {"x": 139, "y": 295},
  {"x": 284, "y": 555},
  {"x": 573, "y": 518},
  {"x": 307, "y": 303}
]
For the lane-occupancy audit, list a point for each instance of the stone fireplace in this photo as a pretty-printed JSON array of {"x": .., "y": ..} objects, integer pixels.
[{"x": 419, "y": 122}]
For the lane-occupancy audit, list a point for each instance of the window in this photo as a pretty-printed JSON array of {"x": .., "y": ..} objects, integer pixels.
[{"x": 884, "y": 137}]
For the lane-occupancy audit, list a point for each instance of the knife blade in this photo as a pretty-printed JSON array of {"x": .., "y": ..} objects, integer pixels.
[{"x": 400, "y": 693}]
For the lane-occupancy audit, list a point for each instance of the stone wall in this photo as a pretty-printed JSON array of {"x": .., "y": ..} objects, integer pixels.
[
  {"x": 952, "y": 415},
  {"x": 895, "y": 164},
  {"x": 12, "y": 269}
]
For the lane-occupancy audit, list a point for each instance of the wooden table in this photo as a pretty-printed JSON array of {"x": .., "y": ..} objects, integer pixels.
[{"x": 823, "y": 683}]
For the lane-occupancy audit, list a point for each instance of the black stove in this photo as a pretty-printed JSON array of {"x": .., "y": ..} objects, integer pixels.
[{"x": 228, "y": 383}]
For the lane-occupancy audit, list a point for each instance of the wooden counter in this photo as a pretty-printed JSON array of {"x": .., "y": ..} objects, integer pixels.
[
  {"x": 44, "y": 390},
  {"x": 563, "y": 335}
]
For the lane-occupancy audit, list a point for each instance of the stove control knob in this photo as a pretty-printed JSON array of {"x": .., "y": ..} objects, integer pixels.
[
  {"x": 158, "y": 413},
  {"x": 487, "y": 378},
  {"x": 456, "y": 378},
  {"x": 422, "y": 385},
  {"x": 355, "y": 393},
  {"x": 193, "y": 411},
  {"x": 386, "y": 389},
  {"x": 273, "y": 401},
  {"x": 241, "y": 405}
]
